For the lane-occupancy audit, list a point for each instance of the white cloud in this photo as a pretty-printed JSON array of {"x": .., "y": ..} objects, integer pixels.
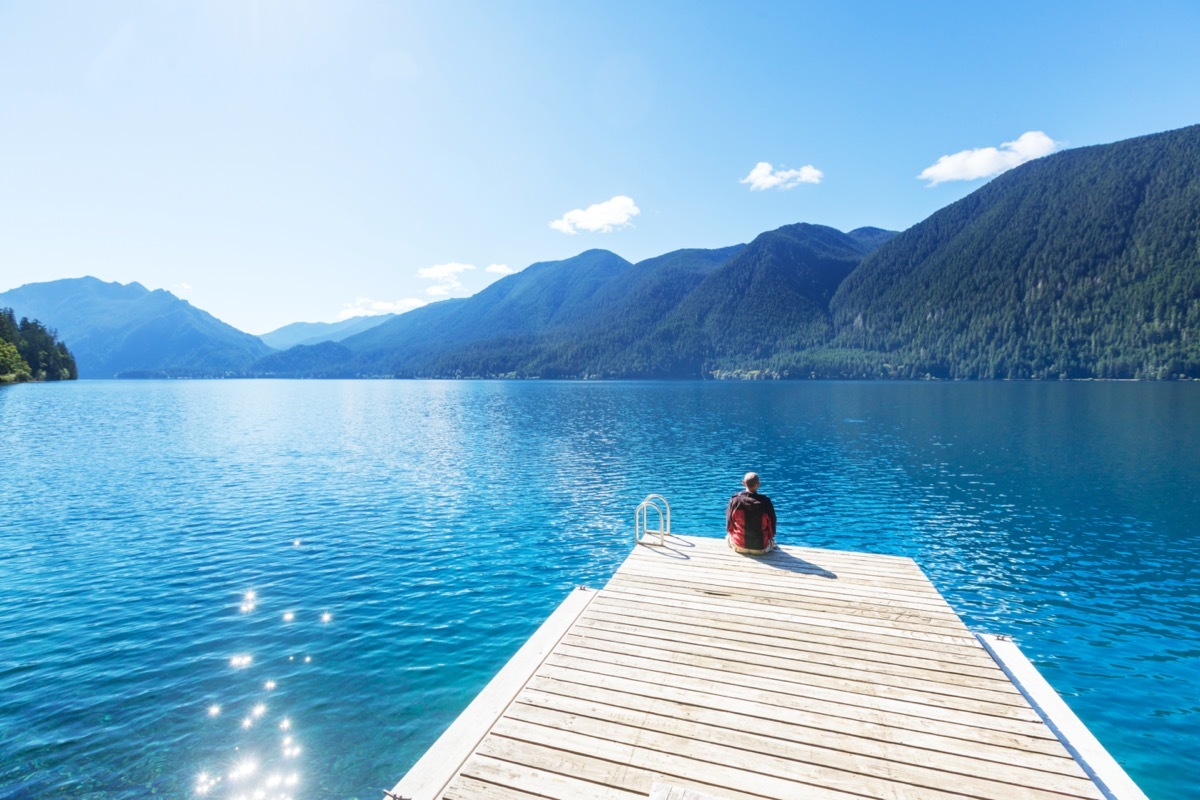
[
  {"x": 366, "y": 307},
  {"x": 986, "y": 162},
  {"x": 601, "y": 217},
  {"x": 500, "y": 269},
  {"x": 445, "y": 278},
  {"x": 764, "y": 176},
  {"x": 186, "y": 287}
]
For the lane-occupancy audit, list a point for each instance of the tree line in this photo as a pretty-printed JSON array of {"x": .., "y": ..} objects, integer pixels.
[{"x": 29, "y": 351}]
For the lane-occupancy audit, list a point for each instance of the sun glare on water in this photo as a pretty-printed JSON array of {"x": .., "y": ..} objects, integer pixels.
[{"x": 248, "y": 772}]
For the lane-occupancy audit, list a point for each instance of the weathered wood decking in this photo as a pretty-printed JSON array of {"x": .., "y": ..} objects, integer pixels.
[{"x": 697, "y": 672}]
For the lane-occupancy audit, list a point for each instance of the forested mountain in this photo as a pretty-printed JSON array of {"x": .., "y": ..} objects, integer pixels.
[
  {"x": 1085, "y": 263},
  {"x": 682, "y": 314},
  {"x": 31, "y": 352},
  {"x": 310, "y": 333},
  {"x": 771, "y": 296},
  {"x": 126, "y": 330}
]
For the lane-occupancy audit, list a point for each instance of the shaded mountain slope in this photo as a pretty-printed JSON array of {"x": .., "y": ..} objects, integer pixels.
[
  {"x": 771, "y": 297},
  {"x": 602, "y": 339}
]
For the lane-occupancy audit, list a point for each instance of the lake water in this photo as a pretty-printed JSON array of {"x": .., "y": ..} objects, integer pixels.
[{"x": 214, "y": 587}]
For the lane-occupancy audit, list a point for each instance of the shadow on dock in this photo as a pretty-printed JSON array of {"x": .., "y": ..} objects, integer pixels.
[
  {"x": 675, "y": 547},
  {"x": 788, "y": 562}
]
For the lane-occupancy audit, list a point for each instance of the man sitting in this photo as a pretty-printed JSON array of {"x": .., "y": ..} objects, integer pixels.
[{"x": 750, "y": 520}]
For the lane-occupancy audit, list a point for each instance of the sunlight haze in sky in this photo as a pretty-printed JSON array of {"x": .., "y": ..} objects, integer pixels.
[{"x": 272, "y": 162}]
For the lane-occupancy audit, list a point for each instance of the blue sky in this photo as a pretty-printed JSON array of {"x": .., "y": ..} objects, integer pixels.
[{"x": 279, "y": 161}]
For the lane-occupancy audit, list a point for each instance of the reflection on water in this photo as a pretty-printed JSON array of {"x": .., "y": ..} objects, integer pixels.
[
  {"x": 242, "y": 763},
  {"x": 288, "y": 589}
]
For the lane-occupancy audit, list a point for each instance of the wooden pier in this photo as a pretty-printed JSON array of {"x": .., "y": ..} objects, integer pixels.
[{"x": 700, "y": 674}]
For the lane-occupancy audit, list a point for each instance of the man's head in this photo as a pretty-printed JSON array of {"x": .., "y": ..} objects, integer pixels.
[{"x": 751, "y": 481}]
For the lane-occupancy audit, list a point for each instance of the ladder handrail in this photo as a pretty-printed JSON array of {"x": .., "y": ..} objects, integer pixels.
[{"x": 641, "y": 520}]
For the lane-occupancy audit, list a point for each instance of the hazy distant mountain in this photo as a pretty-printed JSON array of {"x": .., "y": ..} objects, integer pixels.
[
  {"x": 310, "y": 333},
  {"x": 1085, "y": 263},
  {"x": 114, "y": 329}
]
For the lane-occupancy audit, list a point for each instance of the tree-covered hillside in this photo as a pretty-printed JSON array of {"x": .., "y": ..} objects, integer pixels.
[
  {"x": 31, "y": 352},
  {"x": 772, "y": 296},
  {"x": 1085, "y": 263}
]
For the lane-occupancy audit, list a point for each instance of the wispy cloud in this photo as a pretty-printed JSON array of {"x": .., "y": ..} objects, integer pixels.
[
  {"x": 986, "y": 162},
  {"x": 500, "y": 269},
  {"x": 366, "y": 307},
  {"x": 445, "y": 278},
  {"x": 185, "y": 287},
  {"x": 764, "y": 176},
  {"x": 600, "y": 217}
]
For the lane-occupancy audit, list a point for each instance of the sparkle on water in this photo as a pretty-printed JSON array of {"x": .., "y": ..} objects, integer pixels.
[{"x": 152, "y": 532}]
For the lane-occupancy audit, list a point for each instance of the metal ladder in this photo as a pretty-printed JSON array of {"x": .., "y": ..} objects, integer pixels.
[{"x": 641, "y": 521}]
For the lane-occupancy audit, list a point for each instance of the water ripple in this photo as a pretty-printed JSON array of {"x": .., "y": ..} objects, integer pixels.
[{"x": 402, "y": 539}]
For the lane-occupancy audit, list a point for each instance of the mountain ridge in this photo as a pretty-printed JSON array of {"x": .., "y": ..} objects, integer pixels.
[{"x": 116, "y": 329}]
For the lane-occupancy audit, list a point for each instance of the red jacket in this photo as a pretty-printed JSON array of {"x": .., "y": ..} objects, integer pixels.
[{"x": 750, "y": 520}]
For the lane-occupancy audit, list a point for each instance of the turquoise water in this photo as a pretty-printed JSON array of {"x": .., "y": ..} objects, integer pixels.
[{"x": 378, "y": 549}]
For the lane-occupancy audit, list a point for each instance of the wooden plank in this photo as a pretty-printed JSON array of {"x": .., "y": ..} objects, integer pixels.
[
  {"x": 833, "y": 655},
  {"x": 750, "y": 666},
  {"x": 765, "y": 611},
  {"x": 430, "y": 775},
  {"x": 483, "y": 774},
  {"x": 778, "y": 564},
  {"x": 925, "y": 598},
  {"x": 900, "y": 700},
  {"x": 670, "y": 791},
  {"x": 612, "y": 764},
  {"x": 647, "y": 752},
  {"x": 928, "y": 735},
  {"x": 991, "y": 781},
  {"x": 467, "y": 788},
  {"x": 945, "y": 658},
  {"x": 837, "y": 607},
  {"x": 855, "y": 706},
  {"x": 992, "y": 689},
  {"x": 831, "y": 589},
  {"x": 866, "y": 739}
]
